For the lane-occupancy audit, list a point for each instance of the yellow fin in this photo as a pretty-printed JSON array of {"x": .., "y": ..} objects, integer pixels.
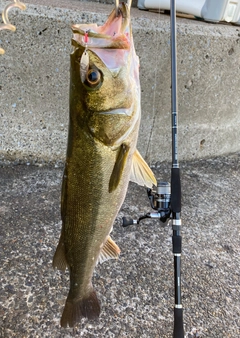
[
  {"x": 118, "y": 167},
  {"x": 59, "y": 259},
  {"x": 141, "y": 173},
  {"x": 110, "y": 250}
]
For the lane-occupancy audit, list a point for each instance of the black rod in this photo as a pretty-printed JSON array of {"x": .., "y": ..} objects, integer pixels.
[
  {"x": 178, "y": 331},
  {"x": 174, "y": 86}
]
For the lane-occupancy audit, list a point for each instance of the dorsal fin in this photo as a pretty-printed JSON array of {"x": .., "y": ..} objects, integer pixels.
[
  {"x": 141, "y": 173},
  {"x": 110, "y": 250}
]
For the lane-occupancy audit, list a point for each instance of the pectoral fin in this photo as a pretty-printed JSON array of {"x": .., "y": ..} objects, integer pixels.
[
  {"x": 59, "y": 259},
  {"x": 110, "y": 250},
  {"x": 118, "y": 167},
  {"x": 141, "y": 173}
]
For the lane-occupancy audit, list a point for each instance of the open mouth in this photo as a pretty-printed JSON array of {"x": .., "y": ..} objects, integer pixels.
[{"x": 114, "y": 33}]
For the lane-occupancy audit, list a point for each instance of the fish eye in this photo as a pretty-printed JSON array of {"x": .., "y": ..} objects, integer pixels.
[{"x": 93, "y": 78}]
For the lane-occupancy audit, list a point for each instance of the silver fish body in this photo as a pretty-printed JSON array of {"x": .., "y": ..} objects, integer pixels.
[{"x": 101, "y": 154}]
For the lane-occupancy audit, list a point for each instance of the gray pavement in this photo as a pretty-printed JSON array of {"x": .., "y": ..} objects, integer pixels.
[{"x": 136, "y": 292}]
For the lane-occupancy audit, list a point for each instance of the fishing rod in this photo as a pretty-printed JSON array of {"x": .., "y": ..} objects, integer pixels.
[
  {"x": 166, "y": 200},
  {"x": 176, "y": 184}
]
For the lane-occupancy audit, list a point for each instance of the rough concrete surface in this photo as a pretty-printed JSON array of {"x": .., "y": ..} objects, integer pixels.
[
  {"x": 34, "y": 82},
  {"x": 136, "y": 292}
]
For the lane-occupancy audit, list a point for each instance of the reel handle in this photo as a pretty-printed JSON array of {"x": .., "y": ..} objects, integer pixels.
[{"x": 126, "y": 221}]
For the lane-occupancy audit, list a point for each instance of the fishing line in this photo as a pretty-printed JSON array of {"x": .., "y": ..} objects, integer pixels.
[{"x": 154, "y": 112}]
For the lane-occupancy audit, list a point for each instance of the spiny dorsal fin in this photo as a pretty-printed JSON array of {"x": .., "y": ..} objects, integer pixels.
[
  {"x": 110, "y": 250},
  {"x": 141, "y": 173},
  {"x": 118, "y": 167},
  {"x": 59, "y": 259}
]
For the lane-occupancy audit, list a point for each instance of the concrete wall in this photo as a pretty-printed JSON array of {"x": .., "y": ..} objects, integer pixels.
[{"x": 34, "y": 81}]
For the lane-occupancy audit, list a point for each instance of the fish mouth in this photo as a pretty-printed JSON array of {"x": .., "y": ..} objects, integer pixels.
[
  {"x": 118, "y": 111},
  {"x": 114, "y": 33}
]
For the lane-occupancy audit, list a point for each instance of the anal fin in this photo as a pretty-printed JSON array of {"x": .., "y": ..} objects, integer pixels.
[
  {"x": 110, "y": 250},
  {"x": 141, "y": 173}
]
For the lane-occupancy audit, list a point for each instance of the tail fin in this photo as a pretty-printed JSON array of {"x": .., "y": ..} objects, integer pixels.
[{"x": 75, "y": 309}]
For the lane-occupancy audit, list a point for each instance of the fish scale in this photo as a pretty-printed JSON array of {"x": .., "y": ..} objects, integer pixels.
[{"x": 101, "y": 155}]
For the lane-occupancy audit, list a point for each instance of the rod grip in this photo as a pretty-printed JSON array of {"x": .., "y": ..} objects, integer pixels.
[
  {"x": 178, "y": 323},
  {"x": 175, "y": 190},
  {"x": 177, "y": 244}
]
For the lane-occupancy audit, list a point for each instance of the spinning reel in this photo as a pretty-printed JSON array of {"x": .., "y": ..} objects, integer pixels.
[{"x": 160, "y": 200}]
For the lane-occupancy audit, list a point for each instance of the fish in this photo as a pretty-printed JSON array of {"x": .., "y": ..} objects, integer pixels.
[{"x": 102, "y": 158}]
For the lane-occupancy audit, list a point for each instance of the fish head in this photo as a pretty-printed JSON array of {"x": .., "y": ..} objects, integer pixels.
[{"x": 105, "y": 89}]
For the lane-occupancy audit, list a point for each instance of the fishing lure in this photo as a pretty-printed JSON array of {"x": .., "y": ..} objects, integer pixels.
[{"x": 6, "y": 23}]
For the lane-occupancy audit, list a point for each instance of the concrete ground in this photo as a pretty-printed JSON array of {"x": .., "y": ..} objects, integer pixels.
[{"x": 136, "y": 292}]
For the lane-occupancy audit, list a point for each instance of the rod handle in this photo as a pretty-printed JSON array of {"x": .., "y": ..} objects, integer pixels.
[
  {"x": 178, "y": 323},
  {"x": 175, "y": 190},
  {"x": 126, "y": 221}
]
